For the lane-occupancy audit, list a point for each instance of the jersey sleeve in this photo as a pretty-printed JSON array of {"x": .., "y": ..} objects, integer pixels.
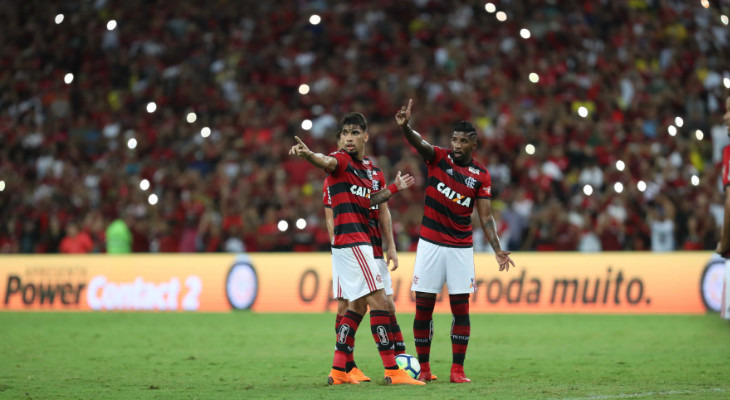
[
  {"x": 326, "y": 198},
  {"x": 342, "y": 160},
  {"x": 725, "y": 166},
  {"x": 439, "y": 154},
  {"x": 485, "y": 190}
]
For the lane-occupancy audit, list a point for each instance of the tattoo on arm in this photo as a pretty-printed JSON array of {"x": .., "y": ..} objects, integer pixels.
[
  {"x": 490, "y": 230},
  {"x": 380, "y": 197}
]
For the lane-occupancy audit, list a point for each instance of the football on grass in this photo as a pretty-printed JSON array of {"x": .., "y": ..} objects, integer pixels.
[{"x": 409, "y": 364}]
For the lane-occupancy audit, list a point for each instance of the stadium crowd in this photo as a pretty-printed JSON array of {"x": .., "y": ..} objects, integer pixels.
[{"x": 599, "y": 121}]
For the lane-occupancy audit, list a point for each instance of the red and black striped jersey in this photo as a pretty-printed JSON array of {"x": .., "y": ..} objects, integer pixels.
[
  {"x": 350, "y": 185},
  {"x": 374, "y": 224},
  {"x": 374, "y": 214},
  {"x": 451, "y": 192}
]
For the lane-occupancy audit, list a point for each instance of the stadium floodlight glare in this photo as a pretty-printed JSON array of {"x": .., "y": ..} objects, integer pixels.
[
  {"x": 620, "y": 165},
  {"x": 695, "y": 180},
  {"x": 307, "y": 124},
  {"x": 205, "y": 131},
  {"x": 152, "y": 199},
  {"x": 132, "y": 143},
  {"x": 58, "y": 19},
  {"x": 191, "y": 117},
  {"x": 315, "y": 19},
  {"x": 111, "y": 25},
  {"x": 530, "y": 149},
  {"x": 726, "y": 82},
  {"x": 501, "y": 16},
  {"x": 641, "y": 185},
  {"x": 2, "y": 186},
  {"x": 679, "y": 122},
  {"x": 68, "y": 78},
  {"x": 151, "y": 107},
  {"x": 490, "y": 7},
  {"x": 282, "y": 225},
  {"x": 699, "y": 134},
  {"x": 301, "y": 223},
  {"x": 144, "y": 184},
  {"x": 672, "y": 130},
  {"x": 588, "y": 190},
  {"x": 303, "y": 89},
  {"x": 724, "y": 19},
  {"x": 534, "y": 78},
  {"x": 582, "y": 111},
  {"x": 618, "y": 187},
  {"x": 525, "y": 33}
]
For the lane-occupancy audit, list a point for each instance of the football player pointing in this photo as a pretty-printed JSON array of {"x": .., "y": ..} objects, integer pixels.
[{"x": 445, "y": 252}]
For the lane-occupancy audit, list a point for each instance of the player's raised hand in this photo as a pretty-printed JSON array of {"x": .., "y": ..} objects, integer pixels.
[
  {"x": 300, "y": 149},
  {"x": 404, "y": 182},
  {"x": 404, "y": 114},
  {"x": 504, "y": 260}
]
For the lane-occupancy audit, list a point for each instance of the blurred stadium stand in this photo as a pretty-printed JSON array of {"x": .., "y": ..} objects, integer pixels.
[{"x": 600, "y": 121}]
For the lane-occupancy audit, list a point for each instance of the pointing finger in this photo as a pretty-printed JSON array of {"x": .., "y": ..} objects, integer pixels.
[
  {"x": 410, "y": 103},
  {"x": 299, "y": 140}
]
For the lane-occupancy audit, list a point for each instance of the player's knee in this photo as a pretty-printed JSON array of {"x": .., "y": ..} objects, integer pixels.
[{"x": 342, "y": 306}]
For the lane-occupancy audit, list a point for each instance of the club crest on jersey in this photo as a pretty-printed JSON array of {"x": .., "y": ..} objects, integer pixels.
[
  {"x": 452, "y": 195},
  {"x": 470, "y": 182},
  {"x": 376, "y": 186},
  {"x": 360, "y": 191}
]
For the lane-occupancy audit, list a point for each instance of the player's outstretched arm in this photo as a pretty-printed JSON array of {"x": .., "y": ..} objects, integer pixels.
[
  {"x": 489, "y": 226},
  {"x": 400, "y": 183},
  {"x": 424, "y": 148},
  {"x": 319, "y": 160},
  {"x": 723, "y": 247}
]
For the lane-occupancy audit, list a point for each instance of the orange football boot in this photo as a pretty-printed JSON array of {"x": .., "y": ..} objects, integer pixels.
[
  {"x": 400, "y": 377},
  {"x": 340, "y": 377},
  {"x": 358, "y": 375}
]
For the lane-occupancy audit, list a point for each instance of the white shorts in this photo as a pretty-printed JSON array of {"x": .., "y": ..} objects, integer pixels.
[
  {"x": 355, "y": 272},
  {"x": 387, "y": 281},
  {"x": 436, "y": 265}
]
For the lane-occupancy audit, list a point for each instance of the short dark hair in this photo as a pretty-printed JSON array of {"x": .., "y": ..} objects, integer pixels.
[
  {"x": 466, "y": 127},
  {"x": 353, "y": 118}
]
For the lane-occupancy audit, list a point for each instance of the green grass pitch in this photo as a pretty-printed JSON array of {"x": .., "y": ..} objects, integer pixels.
[{"x": 243, "y": 355}]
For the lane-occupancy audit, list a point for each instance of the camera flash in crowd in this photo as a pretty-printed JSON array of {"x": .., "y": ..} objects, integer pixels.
[
  {"x": 68, "y": 78},
  {"x": 152, "y": 199},
  {"x": 525, "y": 33},
  {"x": 303, "y": 89},
  {"x": 582, "y": 111},
  {"x": 699, "y": 135},
  {"x": 641, "y": 185},
  {"x": 151, "y": 107},
  {"x": 695, "y": 180},
  {"x": 705, "y": 3},
  {"x": 301, "y": 223},
  {"x": 2, "y": 186},
  {"x": 672, "y": 130},
  {"x": 111, "y": 25},
  {"x": 726, "y": 82},
  {"x": 191, "y": 117},
  {"x": 205, "y": 131},
  {"x": 534, "y": 78},
  {"x": 490, "y": 8},
  {"x": 618, "y": 187},
  {"x": 283, "y": 226},
  {"x": 132, "y": 143},
  {"x": 58, "y": 19},
  {"x": 530, "y": 149},
  {"x": 501, "y": 16},
  {"x": 144, "y": 184},
  {"x": 679, "y": 122},
  {"x": 620, "y": 165},
  {"x": 307, "y": 124},
  {"x": 724, "y": 19},
  {"x": 315, "y": 19},
  {"x": 588, "y": 190}
]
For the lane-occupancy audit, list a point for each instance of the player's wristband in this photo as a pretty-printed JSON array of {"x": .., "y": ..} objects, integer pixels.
[{"x": 393, "y": 188}]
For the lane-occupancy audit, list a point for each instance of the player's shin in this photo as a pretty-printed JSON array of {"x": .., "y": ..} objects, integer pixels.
[{"x": 380, "y": 328}]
